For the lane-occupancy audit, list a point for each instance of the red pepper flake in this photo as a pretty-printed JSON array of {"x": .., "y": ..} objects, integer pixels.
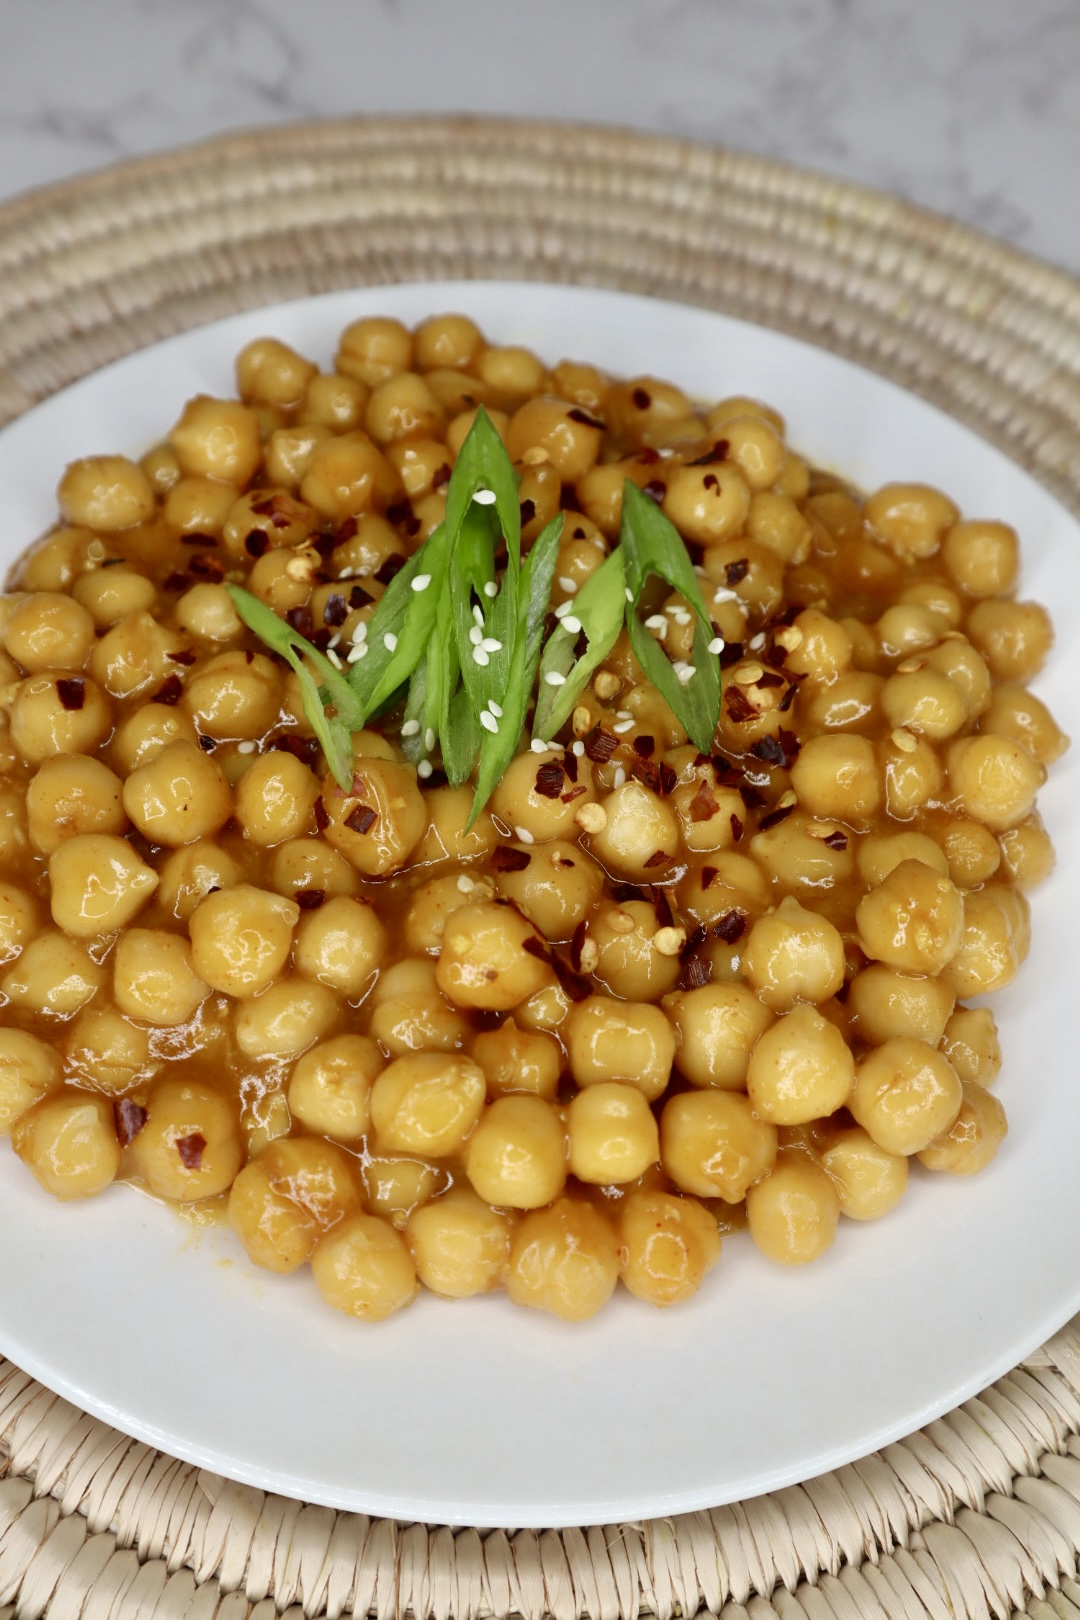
[
  {"x": 194, "y": 538},
  {"x": 658, "y": 858},
  {"x": 71, "y": 690},
  {"x": 578, "y": 534},
  {"x": 256, "y": 542},
  {"x": 576, "y": 944},
  {"x": 600, "y": 745},
  {"x": 346, "y": 530},
  {"x": 647, "y": 456},
  {"x": 335, "y": 612},
  {"x": 738, "y": 706},
  {"x": 622, "y": 892},
  {"x": 836, "y": 840},
  {"x": 736, "y": 572},
  {"x": 790, "y": 744},
  {"x": 207, "y": 744},
  {"x": 324, "y": 542},
  {"x": 573, "y": 793},
  {"x": 249, "y": 656},
  {"x": 173, "y": 582},
  {"x": 703, "y": 806},
  {"x": 528, "y": 511},
  {"x": 694, "y": 941},
  {"x": 719, "y": 452},
  {"x": 305, "y": 749},
  {"x": 751, "y": 798},
  {"x": 362, "y": 819},
  {"x": 322, "y": 820},
  {"x": 576, "y": 414},
  {"x": 669, "y": 778},
  {"x": 775, "y": 817},
  {"x": 696, "y": 973},
  {"x": 506, "y": 859},
  {"x": 300, "y": 619},
  {"x": 570, "y": 765},
  {"x": 708, "y": 875},
  {"x": 191, "y": 1149},
  {"x": 769, "y": 750},
  {"x": 441, "y": 476},
  {"x": 710, "y": 481},
  {"x": 536, "y": 947},
  {"x": 170, "y": 691},
  {"x": 206, "y": 567},
  {"x": 767, "y": 678},
  {"x": 655, "y": 489},
  {"x": 730, "y": 653},
  {"x": 359, "y": 598},
  {"x": 730, "y": 927},
  {"x": 130, "y": 1119},
  {"x": 662, "y": 908},
  {"x": 788, "y": 699},
  {"x": 185, "y": 657},
  {"x": 391, "y": 565},
  {"x": 264, "y": 507},
  {"x": 549, "y": 778},
  {"x": 644, "y": 747},
  {"x": 310, "y": 899},
  {"x": 399, "y": 512},
  {"x": 736, "y": 828},
  {"x": 641, "y": 398},
  {"x": 280, "y": 521}
]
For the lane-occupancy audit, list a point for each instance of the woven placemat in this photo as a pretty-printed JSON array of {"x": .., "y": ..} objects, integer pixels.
[{"x": 977, "y": 1515}]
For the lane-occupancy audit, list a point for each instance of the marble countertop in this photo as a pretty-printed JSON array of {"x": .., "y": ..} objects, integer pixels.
[{"x": 967, "y": 106}]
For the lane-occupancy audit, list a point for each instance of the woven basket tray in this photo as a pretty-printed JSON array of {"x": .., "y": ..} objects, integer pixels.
[{"x": 977, "y": 1515}]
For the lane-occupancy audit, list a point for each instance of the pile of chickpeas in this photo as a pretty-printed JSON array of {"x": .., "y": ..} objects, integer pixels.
[{"x": 652, "y": 996}]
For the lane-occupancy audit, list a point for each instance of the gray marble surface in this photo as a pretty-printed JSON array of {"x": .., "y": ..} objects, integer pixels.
[{"x": 971, "y": 107}]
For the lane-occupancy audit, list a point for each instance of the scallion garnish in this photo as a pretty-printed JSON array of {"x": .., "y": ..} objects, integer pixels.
[{"x": 459, "y": 629}]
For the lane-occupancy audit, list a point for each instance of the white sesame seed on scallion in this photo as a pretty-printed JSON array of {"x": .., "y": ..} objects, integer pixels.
[
  {"x": 478, "y": 615},
  {"x": 429, "y": 738},
  {"x": 476, "y": 635},
  {"x": 563, "y": 609},
  {"x": 496, "y": 708},
  {"x": 410, "y": 728},
  {"x": 424, "y": 768},
  {"x": 389, "y": 641},
  {"x": 335, "y": 640},
  {"x": 628, "y": 593},
  {"x": 488, "y": 721},
  {"x": 491, "y": 589},
  {"x": 553, "y": 678},
  {"x": 360, "y": 633},
  {"x": 568, "y": 585},
  {"x": 484, "y": 497},
  {"x": 479, "y": 656},
  {"x": 334, "y": 658},
  {"x": 572, "y": 625},
  {"x": 421, "y": 582},
  {"x": 538, "y": 745},
  {"x": 656, "y": 621},
  {"x": 717, "y": 644},
  {"x": 490, "y": 645},
  {"x": 359, "y": 651}
]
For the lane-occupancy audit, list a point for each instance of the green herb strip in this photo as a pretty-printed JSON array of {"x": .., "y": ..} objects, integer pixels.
[{"x": 597, "y": 612}]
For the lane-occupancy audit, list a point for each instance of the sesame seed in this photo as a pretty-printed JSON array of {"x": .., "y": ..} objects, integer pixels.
[
  {"x": 786, "y": 800},
  {"x": 480, "y": 657},
  {"x": 429, "y": 739},
  {"x": 489, "y": 722},
  {"x": 334, "y": 659},
  {"x": 423, "y": 770},
  {"x": 496, "y": 708},
  {"x": 478, "y": 615},
  {"x": 590, "y": 955},
  {"x": 484, "y": 497},
  {"x": 757, "y": 642},
  {"x": 335, "y": 641},
  {"x": 623, "y": 726},
  {"x": 656, "y": 621},
  {"x": 684, "y": 671},
  {"x": 620, "y": 777},
  {"x": 553, "y": 678},
  {"x": 579, "y": 749},
  {"x": 389, "y": 641},
  {"x": 359, "y": 651},
  {"x": 563, "y": 609},
  {"x": 95, "y": 550},
  {"x": 491, "y": 590},
  {"x": 717, "y": 644},
  {"x": 360, "y": 633},
  {"x": 411, "y": 728},
  {"x": 628, "y": 593},
  {"x": 490, "y": 645},
  {"x": 572, "y": 624},
  {"x": 538, "y": 745},
  {"x": 681, "y": 616},
  {"x": 724, "y": 595},
  {"x": 476, "y": 636},
  {"x": 246, "y": 747},
  {"x": 567, "y": 584},
  {"x": 421, "y": 582},
  {"x": 524, "y": 836},
  {"x": 623, "y": 714}
]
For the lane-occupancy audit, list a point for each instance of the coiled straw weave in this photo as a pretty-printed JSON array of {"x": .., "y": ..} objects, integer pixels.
[{"x": 979, "y": 1514}]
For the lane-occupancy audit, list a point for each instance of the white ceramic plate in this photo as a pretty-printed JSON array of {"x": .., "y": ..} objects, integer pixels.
[{"x": 478, "y": 1413}]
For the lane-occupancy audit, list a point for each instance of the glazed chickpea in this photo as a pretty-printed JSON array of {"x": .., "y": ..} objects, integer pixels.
[
  {"x": 54, "y": 977},
  {"x": 307, "y": 867},
  {"x": 571, "y": 441},
  {"x": 881, "y": 853},
  {"x": 994, "y": 942},
  {"x": 189, "y": 1145},
  {"x": 417, "y": 1020},
  {"x": 72, "y": 794},
  {"x": 134, "y": 658},
  {"x": 275, "y": 799},
  {"x": 97, "y": 884},
  {"x": 378, "y": 824},
  {"x": 217, "y": 439},
  {"x": 792, "y": 954},
  {"x": 707, "y": 504},
  {"x": 1013, "y": 711},
  {"x": 449, "y": 809},
  {"x": 452, "y": 341},
  {"x": 330, "y": 1089},
  {"x": 363, "y": 1267},
  {"x": 907, "y": 628},
  {"x": 910, "y": 518},
  {"x": 58, "y": 714},
  {"x": 154, "y": 979},
  {"x": 432, "y": 903},
  {"x": 756, "y": 447},
  {"x": 342, "y": 944},
  {"x": 29, "y": 1068},
  {"x": 971, "y": 1044},
  {"x": 518, "y": 1060},
  {"x": 484, "y": 960},
  {"x": 713, "y": 1144},
  {"x": 776, "y": 522},
  {"x": 973, "y": 1138},
  {"x": 18, "y": 920},
  {"x": 887, "y": 1003},
  {"x": 971, "y": 851},
  {"x": 868, "y": 1180},
  {"x": 905, "y": 1095},
  {"x": 512, "y": 373},
  {"x": 145, "y": 732},
  {"x": 730, "y": 882},
  {"x": 234, "y": 695},
  {"x": 198, "y": 505},
  {"x": 206, "y": 610},
  {"x": 556, "y": 889},
  {"x": 994, "y": 779},
  {"x": 347, "y": 475},
  {"x": 912, "y": 771},
  {"x": 458, "y": 430},
  {"x": 823, "y": 649},
  {"x": 926, "y": 702},
  {"x": 394, "y": 1187},
  {"x": 334, "y": 401},
  {"x": 68, "y": 1140},
  {"x": 802, "y": 852},
  {"x": 106, "y": 493},
  {"x": 1013, "y": 637},
  {"x": 667, "y": 1245},
  {"x": 241, "y": 938},
  {"x": 286, "y": 1197},
  {"x": 982, "y": 558},
  {"x": 269, "y": 372},
  {"x": 373, "y": 349},
  {"x": 612, "y": 1136},
  {"x": 108, "y": 1051},
  {"x": 14, "y": 842},
  {"x": 620, "y": 1040},
  {"x": 47, "y": 630},
  {"x": 518, "y": 802},
  {"x": 716, "y": 1027},
  {"x": 161, "y": 467},
  {"x": 285, "y": 1019},
  {"x": 955, "y": 657},
  {"x": 639, "y": 828},
  {"x": 265, "y": 520},
  {"x": 110, "y": 594},
  {"x": 564, "y": 1259},
  {"x": 179, "y": 796},
  {"x": 801, "y": 1069},
  {"x": 851, "y": 702},
  {"x": 459, "y": 1244},
  {"x": 837, "y": 776},
  {"x": 627, "y": 962},
  {"x": 403, "y": 407},
  {"x": 189, "y": 873},
  {"x": 289, "y": 451},
  {"x": 705, "y": 809},
  {"x": 516, "y": 1157},
  {"x": 1027, "y": 853},
  {"x": 913, "y": 920},
  {"x": 427, "y": 1103},
  {"x": 792, "y": 1214}
]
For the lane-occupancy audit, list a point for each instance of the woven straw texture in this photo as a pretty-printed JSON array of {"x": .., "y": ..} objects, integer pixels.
[{"x": 979, "y": 1514}]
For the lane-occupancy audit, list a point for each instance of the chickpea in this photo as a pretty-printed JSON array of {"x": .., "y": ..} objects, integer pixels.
[
  {"x": 791, "y": 955},
  {"x": 905, "y": 1095},
  {"x": 241, "y": 938},
  {"x": 730, "y": 882},
  {"x": 106, "y": 493},
  {"x": 716, "y": 1028},
  {"x": 198, "y": 506},
  {"x": 422, "y": 465},
  {"x": 881, "y": 853},
  {"x": 395, "y": 1187},
  {"x": 625, "y": 1040},
  {"x": 1012, "y": 711},
  {"x": 48, "y": 630},
  {"x": 994, "y": 780},
  {"x": 563, "y": 1259},
  {"x": 373, "y": 349},
  {"x": 627, "y": 961},
  {"x": 792, "y": 1214},
  {"x": 134, "y": 657},
  {"x": 516, "y": 1157},
  {"x": 910, "y": 518},
  {"x": 973, "y": 1138},
  {"x": 837, "y": 776},
  {"x": 68, "y": 1140},
  {"x": 403, "y": 407},
  {"x": 69, "y": 795},
  {"x": 285, "y": 1019},
  {"x": 330, "y": 1088},
  {"x": 363, "y": 1267},
  {"x": 640, "y": 833},
  {"x": 347, "y": 474},
  {"x": 189, "y": 1145},
  {"x": 308, "y": 867},
  {"x": 234, "y": 695},
  {"x": 971, "y": 1044},
  {"x": 110, "y": 594},
  {"x": 378, "y": 824},
  {"x": 18, "y": 920},
  {"x": 913, "y": 920},
  {"x": 966, "y": 668},
  {"x": 570, "y": 439},
  {"x": 146, "y": 731},
  {"x": 334, "y": 401},
  {"x": 449, "y": 809},
  {"x": 557, "y": 887},
  {"x": 342, "y": 943},
  {"x": 802, "y": 852},
  {"x": 217, "y": 439},
  {"x": 1027, "y": 853},
  {"x": 154, "y": 979},
  {"x": 98, "y": 884},
  {"x": 612, "y": 1136},
  {"x": 179, "y": 796},
  {"x": 800, "y": 1069},
  {"x": 713, "y": 1144},
  {"x": 264, "y": 520},
  {"x": 485, "y": 961},
  {"x": 926, "y": 702},
  {"x": 289, "y": 451},
  {"x": 288, "y": 1196},
  {"x": 14, "y": 843},
  {"x": 518, "y": 1060},
  {"x": 107, "y": 1051},
  {"x": 912, "y": 771},
  {"x": 427, "y": 1103},
  {"x": 54, "y": 977},
  {"x": 275, "y": 799},
  {"x": 192, "y": 872},
  {"x": 57, "y": 561},
  {"x": 418, "y": 1020},
  {"x": 459, "y": 1244},
  {"x": 1013, "y": 637},
  {"x": 971, "y": 851},
  {"x": 518, "y": 801},
  {"x": 58, "y": 714},
  {"x": 512, "y": 373},
  {"x": 887, "y": 1003},
  {"x": 775, "y": 521},
  {"x": 458, "y": 430},
  {"x": 995, "y": 940},
  {"x": 667, "y": 1245},
  {"x": 823, "y": 650},
  {"x": 271, "y": 373},
  {"x": 868, "y": 1180},
  {"x": 29, "y": 1068},
  {"x": 432, "y": 903}
]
